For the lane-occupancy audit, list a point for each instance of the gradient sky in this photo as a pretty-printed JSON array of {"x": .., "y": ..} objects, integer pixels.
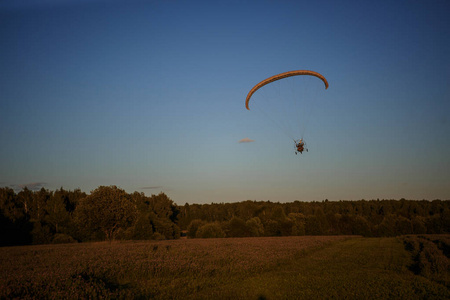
[{"x": 149, "y": 96}]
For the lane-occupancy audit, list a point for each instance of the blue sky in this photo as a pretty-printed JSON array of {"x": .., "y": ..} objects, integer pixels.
[{"x": 149, "y": 96}]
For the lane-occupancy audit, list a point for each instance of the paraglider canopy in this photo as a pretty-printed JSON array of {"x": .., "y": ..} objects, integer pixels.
[
  {"x": 281, "y": 76},
  {"x": 287, "y": 100}
]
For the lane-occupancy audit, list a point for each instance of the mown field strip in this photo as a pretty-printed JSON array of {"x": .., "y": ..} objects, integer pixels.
[{"x": 364, "y": 268}]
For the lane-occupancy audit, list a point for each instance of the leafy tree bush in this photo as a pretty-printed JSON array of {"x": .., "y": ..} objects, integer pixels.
[
  {"x": 210, "y": 230},
  {"x": 165, "y": 228},
  {"x": 403, "y": 226},
  {"x": 286, "y": 227},
  {"x": 418, "y": 224},
  {"x": 313, "y": 226},
  {"x": 237, "y": 227},
  {"x": 158, "y": 236},
  {"x": 387, "y": 227},
  {"x": 107, "y": 209},
  {"x": 41, "y": 233},
  {"x": 272, "y": 228},
  {"x": 155, "y": 214},
  {"x": 435, "y": 224},
  {"x": 61, "y": 238},
  {"x": 193, "y": 227},
  {"x": 143, "y": 229},
  {"x": 298, "y": 223},
  {"x": 255, "y": 226},
  {"x": 361, "y": 226},
  {"x": 322, "y": 221},
  {"x": 57, "y": 215}
]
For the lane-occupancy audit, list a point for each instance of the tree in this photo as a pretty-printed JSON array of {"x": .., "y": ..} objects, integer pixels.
[
  {"x": 345, "y": 224},
  {"x": 298, "y": 227},
  {"x": 210, "y": 230},
  {"x": 164, "y": 227},
  {"x": 313, "y": 225},
  {"x": 10, "y": 206},
  {"x": 156, "y": 217},
  {"x": 403, "y": 226},
  {"x": 361, "y": 226},
  {"x": 164, "y": 207},
  {"x": 333, "y": 219},
  {"x": 143, "y": 229},
  {"x": 40, "y": 199},
  {"x": 387, "y": 227},
  {"x": 419, "y": 226},
  {"x": 25, "y": 198},
  {"x": 255, "y": 226},
  {"x": 57, "y": 215},
  {"x": 107, "y": 209},
  {"x": 14, "y": 226},
  {"x": 272, "y": 228},
  {"x": 322, "y": 220},
  {"x": 237, "y": 227},
  {"x": 434, "y": 224},
  {"x": 41, "y": 233},
  {"x": 193, "y": 227}
]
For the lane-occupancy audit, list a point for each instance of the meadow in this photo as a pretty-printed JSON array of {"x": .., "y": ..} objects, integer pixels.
[{"x": 306, "y": 267}]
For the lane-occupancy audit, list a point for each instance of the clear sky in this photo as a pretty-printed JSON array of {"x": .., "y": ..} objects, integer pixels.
[{"x": 149, "y": 96}]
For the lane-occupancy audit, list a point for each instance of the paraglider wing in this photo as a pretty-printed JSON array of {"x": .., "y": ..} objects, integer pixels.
[{"x": 281, "y": 76}]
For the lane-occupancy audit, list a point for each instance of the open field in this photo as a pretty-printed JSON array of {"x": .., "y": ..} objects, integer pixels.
[{"x": 410, "y": 267}]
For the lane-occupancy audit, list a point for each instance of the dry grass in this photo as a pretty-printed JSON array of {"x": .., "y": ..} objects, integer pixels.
[
  {"x": 163, "y": 269},
  {"x": 232, "y": 268}
]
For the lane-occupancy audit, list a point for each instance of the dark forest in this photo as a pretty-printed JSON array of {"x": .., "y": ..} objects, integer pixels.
[{"x": 110, "y": 213}]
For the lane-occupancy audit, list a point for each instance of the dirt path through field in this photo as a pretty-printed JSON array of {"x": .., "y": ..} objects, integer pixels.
[{"x": 363, "y": 268}]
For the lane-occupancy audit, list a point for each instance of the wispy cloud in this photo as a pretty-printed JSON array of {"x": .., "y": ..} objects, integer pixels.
[
  {"x": 151, "y": 187},
  {"x": 34, "y": 186},
  {"x": 157, "y": 188},
  {"x": 246, "y": 140}
]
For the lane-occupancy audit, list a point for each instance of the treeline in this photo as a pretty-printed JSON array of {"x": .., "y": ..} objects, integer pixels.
[
  {"x": 109, "y": 213},
  {"x": 61, "y": 216},
  {"x": 367, "y": 218}
]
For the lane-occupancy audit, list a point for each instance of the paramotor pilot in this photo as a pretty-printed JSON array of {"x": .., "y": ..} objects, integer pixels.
[{"x": 300, "y": 145}]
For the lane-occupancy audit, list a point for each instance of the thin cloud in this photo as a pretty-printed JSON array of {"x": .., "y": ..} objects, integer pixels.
[
  {"x": 246, "y": 140},
  {"x": 158, "y": 188},
  {"x": 151, "y": 187}
]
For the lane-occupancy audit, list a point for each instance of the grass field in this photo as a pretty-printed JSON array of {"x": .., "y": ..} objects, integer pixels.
[{"x": 411, "y": 267}]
